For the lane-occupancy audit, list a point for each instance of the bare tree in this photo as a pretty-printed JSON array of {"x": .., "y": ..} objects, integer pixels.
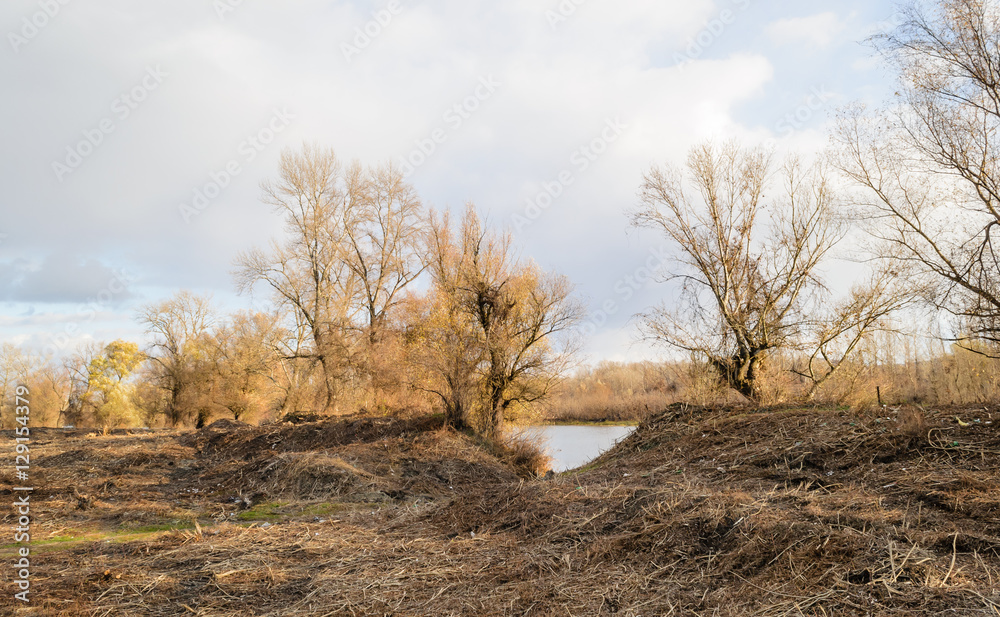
[
  {"x": 77, "y": 367},
  {"x": 308, "y": 272},
  {"x": 444, "y": 339},
  {"x": 930, "y": 163},
  {"x": 179, "y": 327},
  {"x": 350, "y": 249},
  {"x": 15, "y": 365},
  {"x": 836, "y": 333},
  {"x": 384, "y": 232},
  {"x": 297, "y": 372},
  {"x": 245, "y": 361},
  {"x": 501, "y": 318},
  {"x": 745, "y": 284}
]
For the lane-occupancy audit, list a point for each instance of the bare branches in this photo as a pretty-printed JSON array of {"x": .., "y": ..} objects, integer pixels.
[
  {"x": 496, "y": 320},
  {"x": 838, "y": 331},
  {"x": 745, "y": 287},
  {"x": 931, "y": 166},
  {"x": 353, "y": 245},
  {"x": 178, "y": 326}
]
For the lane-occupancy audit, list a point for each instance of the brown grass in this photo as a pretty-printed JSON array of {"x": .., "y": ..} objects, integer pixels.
[
  {"x": 523, "y": 451},
  {"x": 701, "y": 511}
]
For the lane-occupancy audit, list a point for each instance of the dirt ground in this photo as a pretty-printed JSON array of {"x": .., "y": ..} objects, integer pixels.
[{"x": 700, "y": 512}]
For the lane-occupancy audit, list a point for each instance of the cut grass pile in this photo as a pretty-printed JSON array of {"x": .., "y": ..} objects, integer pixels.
[{"x": 699, "y": 512}]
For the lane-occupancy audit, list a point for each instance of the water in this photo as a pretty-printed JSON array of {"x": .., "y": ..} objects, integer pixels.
[{"x": 573, "y": 446}]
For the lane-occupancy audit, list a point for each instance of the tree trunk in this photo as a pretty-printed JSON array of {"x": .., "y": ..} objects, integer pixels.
[
  {"x": 741, "y": 372},
  {"x": 174, "y": 412},
  {"x": 455, "y": 415},
  {"x": 495, "y": 413},
  {"x": 329, "y": 382}
]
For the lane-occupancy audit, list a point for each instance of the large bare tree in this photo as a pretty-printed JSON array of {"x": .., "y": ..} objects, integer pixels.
[
  {"x": 350, "y": 248},
  {"x": 929, "y": 163},
  {"x": 746, "y": 262},
  {"x": 385, "y": 233}
]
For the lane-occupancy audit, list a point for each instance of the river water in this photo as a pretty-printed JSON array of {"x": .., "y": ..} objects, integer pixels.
[{"x": 573, "y": 446}]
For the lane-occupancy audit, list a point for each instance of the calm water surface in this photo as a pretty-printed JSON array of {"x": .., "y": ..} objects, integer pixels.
[{"x": 573, "y": 446}]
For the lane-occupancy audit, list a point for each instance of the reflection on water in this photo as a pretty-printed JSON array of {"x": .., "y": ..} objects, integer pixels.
[{"x": 573, "y": 446}]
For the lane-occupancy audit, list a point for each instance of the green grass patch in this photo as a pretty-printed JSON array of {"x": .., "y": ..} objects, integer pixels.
[
  {"x": 264, "y": 512},
  {"x": 61, "y": 542},
  {"x": 322, "y": 509},
  {"x": 158, "y": 527}
]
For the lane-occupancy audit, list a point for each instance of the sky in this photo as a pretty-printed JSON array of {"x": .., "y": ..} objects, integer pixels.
[{"x": 136, "y": 135}]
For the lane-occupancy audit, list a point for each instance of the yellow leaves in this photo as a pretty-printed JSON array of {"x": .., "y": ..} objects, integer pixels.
[
  {"x": 107, "y": 387},
  {"x": 119, "y": 360}
]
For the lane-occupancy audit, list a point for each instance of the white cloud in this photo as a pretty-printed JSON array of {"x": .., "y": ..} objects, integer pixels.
[{"x": 557, "y": 88}]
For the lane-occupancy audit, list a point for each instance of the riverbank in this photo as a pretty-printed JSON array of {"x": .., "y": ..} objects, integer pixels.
[
  {"x": 700, "y": 511},
  {"x": 571, "y": 422}
]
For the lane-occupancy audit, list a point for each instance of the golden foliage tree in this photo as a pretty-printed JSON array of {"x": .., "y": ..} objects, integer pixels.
[
  {"x": 245, "y": 361},
  {"x": 495, "y": 324},
  {"x": 109, "y": 393}
]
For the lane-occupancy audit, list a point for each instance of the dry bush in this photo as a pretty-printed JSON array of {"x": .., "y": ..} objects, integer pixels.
[
  {"x": 523, "y": 451},
  {"x": 307, "y": 475},
  {"x": 776, "y": 382},
  {"x": 912, "y": 425},
  {"x": 700, "y": 385},
  {"x": 951, "y": 377},
  {"x": 615, "y": 391},
  {"x": 853, "y": 386},
  {"x": 608, "y": 407},
  {"x": 389, "y": 377}
]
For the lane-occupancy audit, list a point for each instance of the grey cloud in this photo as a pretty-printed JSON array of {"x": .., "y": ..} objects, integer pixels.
[{"x": 62, "y": 279}]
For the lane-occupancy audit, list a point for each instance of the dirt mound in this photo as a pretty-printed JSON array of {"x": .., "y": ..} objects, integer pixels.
[
  {"x": 306, "y": 476},
  {"x": 793, "y": 512},
  {"x": 701, "y": 511},
  {"x": 237, "y": 439},
  {"x": 348, "y": 460},
  {"x": 302, "y": 417}
]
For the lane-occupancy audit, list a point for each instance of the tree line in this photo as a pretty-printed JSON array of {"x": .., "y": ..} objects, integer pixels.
[
  {"x": 379, "y": 303},
  {"x": 488, "y": 336}
]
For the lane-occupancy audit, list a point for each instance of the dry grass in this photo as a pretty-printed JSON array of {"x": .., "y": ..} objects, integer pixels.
[
  {"x": 702, "y": 511},
  {"x": 524, "y": 451}
]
